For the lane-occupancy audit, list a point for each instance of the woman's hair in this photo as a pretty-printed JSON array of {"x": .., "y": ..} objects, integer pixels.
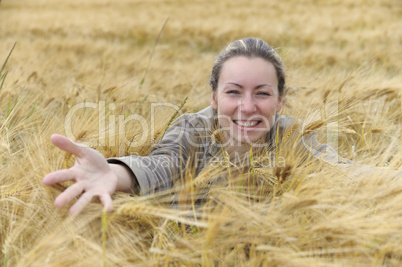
[{"x": 251, "y": 48}]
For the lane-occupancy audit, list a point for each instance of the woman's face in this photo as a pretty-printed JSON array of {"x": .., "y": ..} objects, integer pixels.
[{"x": 246, "y": 99}]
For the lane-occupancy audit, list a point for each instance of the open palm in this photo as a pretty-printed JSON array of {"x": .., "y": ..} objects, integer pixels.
[{"x": 91, "y": 173}]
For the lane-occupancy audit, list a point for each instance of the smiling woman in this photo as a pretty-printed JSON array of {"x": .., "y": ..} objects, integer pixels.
[
  {"x": 247, "y": 83},
  {"x": 246, "y": 99}
]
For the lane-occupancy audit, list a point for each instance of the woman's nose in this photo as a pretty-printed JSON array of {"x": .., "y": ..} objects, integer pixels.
[{"x": 247, "y": 104}]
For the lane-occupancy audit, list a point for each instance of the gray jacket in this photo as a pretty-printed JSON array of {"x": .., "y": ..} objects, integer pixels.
[{"x": 190, "y": 141}]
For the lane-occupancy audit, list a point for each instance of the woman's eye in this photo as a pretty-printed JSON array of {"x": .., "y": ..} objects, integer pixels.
[
  {"x": 233, "y": 92},
  {"x": 263, "y": 93}
]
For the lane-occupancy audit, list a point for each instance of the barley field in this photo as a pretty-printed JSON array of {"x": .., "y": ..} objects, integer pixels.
[{"x": 81, "y": 68}]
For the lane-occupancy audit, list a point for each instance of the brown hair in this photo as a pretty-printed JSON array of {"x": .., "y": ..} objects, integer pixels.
[{"x": 251, "y": 48}]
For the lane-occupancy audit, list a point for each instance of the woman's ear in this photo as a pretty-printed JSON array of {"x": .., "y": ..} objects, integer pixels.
[
  {"x": 214, "y": 102},
  {"x": 280, "y": 103}
]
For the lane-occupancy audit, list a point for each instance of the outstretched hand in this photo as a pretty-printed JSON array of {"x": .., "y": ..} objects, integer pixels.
[{"x": 91, "y": 172}]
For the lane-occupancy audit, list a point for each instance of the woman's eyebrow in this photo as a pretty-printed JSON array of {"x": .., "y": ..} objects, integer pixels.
[
  {"x": 262, "y": 85},
  {"x": 257, "y": 87},
  {"x": 235, "y": 84}
]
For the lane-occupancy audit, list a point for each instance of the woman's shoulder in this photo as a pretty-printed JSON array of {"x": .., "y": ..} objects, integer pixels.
[
  {"x": 201, "y": 119},
  {"x": 286, "y": 122},
  {"x": 207, "y": 112}
]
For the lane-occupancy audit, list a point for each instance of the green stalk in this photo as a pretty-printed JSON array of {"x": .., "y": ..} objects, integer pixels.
[
  {"x": 3, "y": 76},
  {"x": 9, "y": 54},
  {"x": 152, "y": 53},
  {"x": 174, "y": 116},
  {"x": 252, "y": 165},
  {"x": 104, "y": 230}
]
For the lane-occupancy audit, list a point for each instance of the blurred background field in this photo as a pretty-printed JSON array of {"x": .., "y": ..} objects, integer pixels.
[{"x": 343, "y": 61}]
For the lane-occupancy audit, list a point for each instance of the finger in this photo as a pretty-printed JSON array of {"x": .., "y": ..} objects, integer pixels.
[
  {"x": 68, "y": 194},
  {"x": 81, "y": 203},
  {"x": 58, "y": 177},
  {"x": 66, "y": 144},
  {"x": 107, "y": 202}
]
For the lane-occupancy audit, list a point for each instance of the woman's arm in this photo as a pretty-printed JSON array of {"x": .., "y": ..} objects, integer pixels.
[
  {"x": 184, "y": 142},
  {"x": 95, "y": 176},
  {"x": 126, "y": 181}
]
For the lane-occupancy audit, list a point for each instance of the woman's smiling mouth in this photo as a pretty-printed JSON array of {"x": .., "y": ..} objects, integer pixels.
[{"x": 246, "y": 123}]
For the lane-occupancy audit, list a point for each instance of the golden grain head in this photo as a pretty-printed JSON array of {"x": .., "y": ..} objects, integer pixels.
[
  {"x": 291, "y": 131},
  {"x": 312, "y": 126}
]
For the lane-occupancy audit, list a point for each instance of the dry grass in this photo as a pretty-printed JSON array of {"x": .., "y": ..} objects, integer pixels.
[{"x": 343, "y": 64}]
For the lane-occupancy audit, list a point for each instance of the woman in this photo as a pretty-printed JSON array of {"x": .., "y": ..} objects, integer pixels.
[{"x": 247, "y": 82}]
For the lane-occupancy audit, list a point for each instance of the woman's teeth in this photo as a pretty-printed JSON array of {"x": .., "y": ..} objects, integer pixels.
[{"x": 246, "y": 124}]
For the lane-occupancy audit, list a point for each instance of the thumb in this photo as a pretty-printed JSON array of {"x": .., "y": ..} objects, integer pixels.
[{"x": 67, "y": 145}]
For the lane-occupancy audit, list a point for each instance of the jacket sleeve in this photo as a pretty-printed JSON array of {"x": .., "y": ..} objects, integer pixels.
[
  {"x": 168, "y": 160},
  {"x": 293, "y": 136},
  {"x": 323, "y": 152}
]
